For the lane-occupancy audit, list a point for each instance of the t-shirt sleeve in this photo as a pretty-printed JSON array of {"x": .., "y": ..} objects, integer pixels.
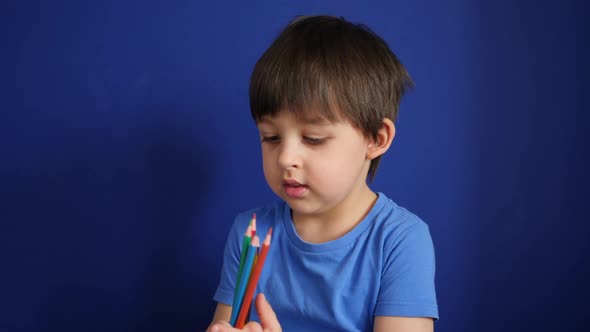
[
  {"x": 231, "y": 261},
  {"x": 407, "y": 282}
]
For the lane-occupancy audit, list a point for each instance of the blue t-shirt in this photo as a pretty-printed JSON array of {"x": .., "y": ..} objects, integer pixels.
[{"x": 383, "y": 267}]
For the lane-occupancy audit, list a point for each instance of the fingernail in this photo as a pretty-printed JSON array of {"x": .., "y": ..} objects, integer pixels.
[{"x": 215, "y": 329}]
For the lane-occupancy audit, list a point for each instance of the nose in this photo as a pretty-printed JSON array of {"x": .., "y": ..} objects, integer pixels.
[{"x": 290, "y": 155}]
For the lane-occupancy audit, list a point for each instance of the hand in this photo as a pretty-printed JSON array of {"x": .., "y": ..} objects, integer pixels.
[{"x": 268, "y": 318}]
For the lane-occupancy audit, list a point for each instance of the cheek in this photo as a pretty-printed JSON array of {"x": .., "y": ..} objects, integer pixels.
[
  {"x": 347, "y": 155},
  {"x": 268, "y": 165},
  {"x": 265, "y": 162},
  {"x": 346, "y": 163},
  {"x": 336, "y": 165}
]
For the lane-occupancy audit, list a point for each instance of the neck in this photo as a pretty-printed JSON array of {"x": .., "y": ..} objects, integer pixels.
[{"x": 336, "y": 222}]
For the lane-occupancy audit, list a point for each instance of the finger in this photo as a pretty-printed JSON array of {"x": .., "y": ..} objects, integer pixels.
[
  {"x": 268, "y": 318},
  {"x": 221, "y": 326},
  {"x": 252, "y": 327}
]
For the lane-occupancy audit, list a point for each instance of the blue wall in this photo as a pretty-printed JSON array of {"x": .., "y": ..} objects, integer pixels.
[{"x": 127, "y": 148}]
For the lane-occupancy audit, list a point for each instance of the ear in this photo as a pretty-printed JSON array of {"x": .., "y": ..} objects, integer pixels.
[{"x": 385, "y": 136}]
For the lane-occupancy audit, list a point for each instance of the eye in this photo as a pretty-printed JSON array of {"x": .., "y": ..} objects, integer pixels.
[
  {"x": 314, "y": 140},
  {"x": 269, "y": 139}
]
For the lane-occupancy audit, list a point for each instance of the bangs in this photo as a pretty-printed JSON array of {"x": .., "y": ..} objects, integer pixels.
[
  {"x": 301, "y": 87},
  {"x": 298, "y": 74}
]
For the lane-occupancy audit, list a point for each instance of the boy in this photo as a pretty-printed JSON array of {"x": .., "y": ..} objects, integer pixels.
[{"x": 343, "y": 258}]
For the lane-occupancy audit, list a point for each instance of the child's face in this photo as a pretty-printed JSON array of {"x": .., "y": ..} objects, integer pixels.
[{"x": 315, "y": 166}]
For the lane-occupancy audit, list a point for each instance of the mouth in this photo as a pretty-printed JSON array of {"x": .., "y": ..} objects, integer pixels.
[
  {"x": 294, "y": 189},
  {"x": 291, "y": 183}
]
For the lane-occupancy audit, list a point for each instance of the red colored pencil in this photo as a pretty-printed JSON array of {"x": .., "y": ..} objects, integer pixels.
[
  {"x": 253, "y": 281},
  {"x": 253, "y": 224}
]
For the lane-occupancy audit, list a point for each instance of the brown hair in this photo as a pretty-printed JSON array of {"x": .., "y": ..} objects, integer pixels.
[{"x": 329, "y": 67}]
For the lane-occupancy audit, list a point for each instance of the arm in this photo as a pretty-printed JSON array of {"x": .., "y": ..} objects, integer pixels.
[
  {"x": 403, "y": 324},
  {"x": 222, "y": 313}
]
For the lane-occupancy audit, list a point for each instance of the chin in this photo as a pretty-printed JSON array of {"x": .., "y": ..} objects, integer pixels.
[{"x": 302, "y": 207}]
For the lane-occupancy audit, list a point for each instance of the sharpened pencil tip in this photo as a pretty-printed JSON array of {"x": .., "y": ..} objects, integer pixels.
[
  {"x": 255, "y": 241},
  {"x": 268, "y": 236},
  {"x": 253, "y": 224}
]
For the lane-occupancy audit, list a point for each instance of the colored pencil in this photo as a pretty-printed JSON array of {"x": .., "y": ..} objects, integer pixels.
[
  {"x": 244, "y": 279},
  {"x": 253, "y": 281},
  {"x": 245, "y": 246},
  {"x": 253, "y": 224}
]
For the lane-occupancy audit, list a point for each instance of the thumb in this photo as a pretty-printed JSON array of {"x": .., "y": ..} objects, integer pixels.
[
  {"x": 221, "y": 326},
  {"x": 268, "y": 318}
]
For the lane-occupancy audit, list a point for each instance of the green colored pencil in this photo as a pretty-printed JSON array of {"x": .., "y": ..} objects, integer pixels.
[{"x": 245, "y": 246}]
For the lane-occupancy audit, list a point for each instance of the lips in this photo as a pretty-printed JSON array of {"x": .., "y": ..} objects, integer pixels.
[
  {"x": 294, "y": 189},
  {"x": 291, "y": 182}
]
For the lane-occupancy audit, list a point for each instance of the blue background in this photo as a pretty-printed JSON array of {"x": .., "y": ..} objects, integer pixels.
[{"x": 127, "y": 148}]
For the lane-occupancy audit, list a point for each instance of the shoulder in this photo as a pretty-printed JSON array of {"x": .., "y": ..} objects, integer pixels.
[
  {"x": 397, "y": 220},
  {"x": 402, "y": 231}
]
